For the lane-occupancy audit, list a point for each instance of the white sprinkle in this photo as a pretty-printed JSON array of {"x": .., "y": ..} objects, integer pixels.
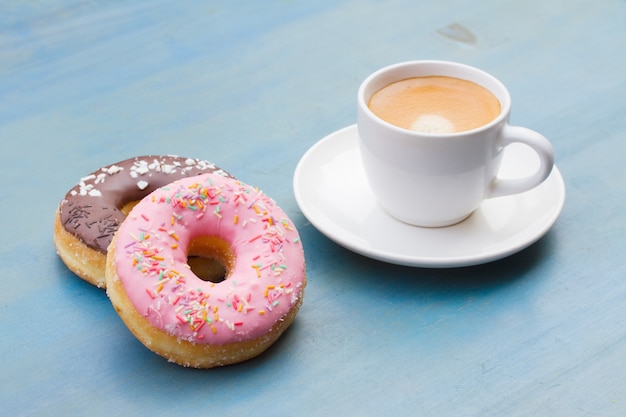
[
  {"x": 139, "y": 167},
  {"x": 114, "y": 169},
  {"x": 169, "y": 169},
  {"x": 84, "y": 188},
  {"x": 142, "y": 185},
  {"x": 155, "y": 165},
  {"x": 204, "y": 165},
  {"x": 100, "y": 178}
]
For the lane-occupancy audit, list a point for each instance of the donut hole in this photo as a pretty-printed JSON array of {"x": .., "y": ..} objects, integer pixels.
[
  {"x": 207, "y": 269},
  {"x": 210, "y": 258},
  {"x": 126, "y": 208}
]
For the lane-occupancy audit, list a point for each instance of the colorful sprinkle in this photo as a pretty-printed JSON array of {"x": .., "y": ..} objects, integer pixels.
[{"x": 197, "y": 308}]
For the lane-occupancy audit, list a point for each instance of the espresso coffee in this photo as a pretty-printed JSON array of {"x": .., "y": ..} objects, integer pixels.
[{"x": 435, "y": 104}]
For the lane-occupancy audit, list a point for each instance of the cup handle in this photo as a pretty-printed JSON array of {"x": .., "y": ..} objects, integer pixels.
[{"x": 541, "y": 146}]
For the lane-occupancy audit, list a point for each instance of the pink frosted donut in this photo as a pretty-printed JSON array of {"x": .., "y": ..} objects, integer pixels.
[{"x": 192, "y": 321}]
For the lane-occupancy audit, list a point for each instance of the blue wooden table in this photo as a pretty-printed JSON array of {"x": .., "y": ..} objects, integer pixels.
[{"x": 252, "y": 86}]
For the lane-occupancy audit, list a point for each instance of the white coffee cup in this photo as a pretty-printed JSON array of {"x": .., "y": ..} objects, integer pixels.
[{"x": 439, "y": 179}]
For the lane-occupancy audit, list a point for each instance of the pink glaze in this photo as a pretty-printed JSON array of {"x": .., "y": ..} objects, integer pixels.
[{"x": 267, "y": 279}]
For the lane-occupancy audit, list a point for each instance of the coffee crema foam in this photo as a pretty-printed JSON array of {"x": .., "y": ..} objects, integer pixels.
[{"x": 435, "y": 104}]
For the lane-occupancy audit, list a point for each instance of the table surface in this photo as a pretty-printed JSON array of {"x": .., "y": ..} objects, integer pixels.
[{"x": 252, "y": 86}]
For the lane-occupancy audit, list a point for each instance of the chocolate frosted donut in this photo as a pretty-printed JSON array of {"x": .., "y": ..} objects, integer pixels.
[{"x": 92, "y": 211}]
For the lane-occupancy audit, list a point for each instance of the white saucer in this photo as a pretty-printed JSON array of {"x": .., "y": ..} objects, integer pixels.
[{"x": 332, "y": 192}]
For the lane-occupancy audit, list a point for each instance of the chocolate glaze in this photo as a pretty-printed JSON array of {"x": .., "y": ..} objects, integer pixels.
[{"x": 91, "y": 210}]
